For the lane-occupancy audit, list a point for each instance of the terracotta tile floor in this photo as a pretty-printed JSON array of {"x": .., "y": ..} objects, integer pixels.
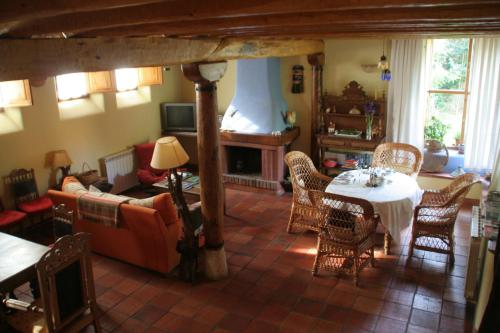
[{"x": 271, "y": 289}]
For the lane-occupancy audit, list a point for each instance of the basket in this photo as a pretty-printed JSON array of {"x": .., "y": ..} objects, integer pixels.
[{"x": 89, "y": 176}]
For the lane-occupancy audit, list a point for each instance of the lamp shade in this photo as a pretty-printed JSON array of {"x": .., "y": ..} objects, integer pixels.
[
  {"x": 61, "y": 159},
  {"x": 168, "y": 154}
]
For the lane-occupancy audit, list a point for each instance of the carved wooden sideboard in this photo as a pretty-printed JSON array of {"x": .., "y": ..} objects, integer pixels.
[{"x": 336, "y": 111}]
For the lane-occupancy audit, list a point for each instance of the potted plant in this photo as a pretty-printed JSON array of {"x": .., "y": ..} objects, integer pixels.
[
  {"x": 434, "y": 133},
  {"x": 458, "y": 138}
]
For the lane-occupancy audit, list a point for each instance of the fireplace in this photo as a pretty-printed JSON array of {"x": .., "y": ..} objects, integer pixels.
[
  {"x": 244, "y": 161},
  {"x": 254, "y": 136},
  {"x": 255, "y": 160}
]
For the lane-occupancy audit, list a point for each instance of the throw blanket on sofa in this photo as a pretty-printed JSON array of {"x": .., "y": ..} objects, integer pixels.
[{"x": 100, "y": 208}]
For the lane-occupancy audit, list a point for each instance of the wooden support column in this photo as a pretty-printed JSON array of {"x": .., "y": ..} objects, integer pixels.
[
  {"x": 316, "y": 61},
  {"x": 205, "y": 75}
]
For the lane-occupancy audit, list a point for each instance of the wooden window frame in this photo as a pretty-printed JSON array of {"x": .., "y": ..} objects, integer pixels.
[
  {"x": 465, "y": 92},
  {"x": 27, "y": 99}
]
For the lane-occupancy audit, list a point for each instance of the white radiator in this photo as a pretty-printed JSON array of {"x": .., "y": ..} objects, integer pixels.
[{"x": 120, "y": 170}]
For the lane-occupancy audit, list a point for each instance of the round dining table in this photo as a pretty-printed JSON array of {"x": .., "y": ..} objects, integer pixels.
[{"x": 394, "y": 199}]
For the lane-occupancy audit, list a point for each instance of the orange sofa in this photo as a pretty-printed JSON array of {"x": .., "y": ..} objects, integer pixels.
[{"x": 145, "y": 237}]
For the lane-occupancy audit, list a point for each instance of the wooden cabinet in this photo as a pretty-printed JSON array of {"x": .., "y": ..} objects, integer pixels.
[{"x": 340, "y": 112}]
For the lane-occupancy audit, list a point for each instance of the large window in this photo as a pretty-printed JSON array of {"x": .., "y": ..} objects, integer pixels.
[{"x": 448, "y": 88}]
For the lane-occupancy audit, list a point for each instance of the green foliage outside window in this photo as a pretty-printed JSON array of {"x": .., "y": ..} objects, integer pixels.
[{"x": 435, "y": 130}]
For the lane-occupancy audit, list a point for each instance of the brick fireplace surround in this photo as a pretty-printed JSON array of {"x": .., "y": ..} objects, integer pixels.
[{"x": 272, "y": 150}]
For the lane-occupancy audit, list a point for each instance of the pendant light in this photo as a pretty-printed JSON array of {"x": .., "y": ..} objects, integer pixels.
[{"x": 383, "y": 64}]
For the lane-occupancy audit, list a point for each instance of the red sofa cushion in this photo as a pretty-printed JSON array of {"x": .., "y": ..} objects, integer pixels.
[
  {"x": 146, "y": 177},
  {"x": 36, "y": 206},
  {"x": 164, "y": 204},
  {"x": 8, "y": 217}
]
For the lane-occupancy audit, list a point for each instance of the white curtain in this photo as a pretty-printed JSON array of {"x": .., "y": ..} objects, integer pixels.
[
  {"x": 407, "y": 92},
  {"x": 482, "y": 132},
  {"x": 495, "y": 178}
]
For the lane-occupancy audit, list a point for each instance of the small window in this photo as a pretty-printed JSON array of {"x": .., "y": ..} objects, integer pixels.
[
  {"x": 126, "y": 79},
  {"x": 15, "y": 93},
  {"x": 72, "y": 86}
]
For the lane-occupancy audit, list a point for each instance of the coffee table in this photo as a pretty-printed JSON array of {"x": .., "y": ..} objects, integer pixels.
[{"x": 191, "y": 195}]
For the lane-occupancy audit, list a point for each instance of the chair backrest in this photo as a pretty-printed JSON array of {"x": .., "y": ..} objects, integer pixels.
[
  {"x": 342, "y": 218},
  {"x": 66, "y": 283},
  {"x": 401, "y": 157},
  {"x": 62, "y": 220},
  {"x": 23, "y": 185},
  {"x": 301, "y": 169}
]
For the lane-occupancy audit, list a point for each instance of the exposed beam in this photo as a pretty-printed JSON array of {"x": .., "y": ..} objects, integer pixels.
[
  {"x": 18, "y": 10},
  {"x": 467, "y": 16},
  {"x": 22, "y": 59},
  {"x": 360, "y": 31},
  {"x": 187, "y": 10}
]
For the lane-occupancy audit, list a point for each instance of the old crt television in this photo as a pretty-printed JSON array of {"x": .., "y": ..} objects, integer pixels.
[{"x": 178, "y": 117}]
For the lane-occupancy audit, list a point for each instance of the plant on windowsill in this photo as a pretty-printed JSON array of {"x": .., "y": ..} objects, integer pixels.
[
  {"x": 458, "y": 138},
  {"x": 434, "y": 133}
]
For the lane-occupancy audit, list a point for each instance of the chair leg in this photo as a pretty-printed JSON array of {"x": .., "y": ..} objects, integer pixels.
[
  {"x": 291, "y": 220},
  {"x": 372, "y": 256},
  {"x": 387, "y": 242},
  {"x": 451, "y": 239},
  {"x": 412, "y": 242},
  {"x": 316, "y": 260}
]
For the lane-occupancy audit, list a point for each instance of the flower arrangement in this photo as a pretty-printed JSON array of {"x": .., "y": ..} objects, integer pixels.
[{"x": 370, "y": 109}]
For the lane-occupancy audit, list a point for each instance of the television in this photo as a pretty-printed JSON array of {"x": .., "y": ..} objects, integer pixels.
[{"x": 178, "y": 117}]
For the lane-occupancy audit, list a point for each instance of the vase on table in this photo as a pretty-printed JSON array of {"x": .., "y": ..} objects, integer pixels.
[{"x": 369, "y": 120}]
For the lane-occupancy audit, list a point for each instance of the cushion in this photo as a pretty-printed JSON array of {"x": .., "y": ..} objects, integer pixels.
[
  {"x": 8, "y": 217},
  {"x": 36, "y": 206},
  {"x": 148, "y": 178},
  {"x": 148, "y": 202},
  {"x": 164, "y": 204},
  {"x": 71, "y": 184}
]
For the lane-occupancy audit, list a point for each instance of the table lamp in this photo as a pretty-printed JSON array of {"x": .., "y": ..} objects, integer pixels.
[
  {"x": 169, "y": 155},
  {"x": 61, "y": 160}
]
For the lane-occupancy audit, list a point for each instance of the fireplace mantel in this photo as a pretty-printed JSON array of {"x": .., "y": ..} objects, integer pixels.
[{"x": 285, "y": 138}]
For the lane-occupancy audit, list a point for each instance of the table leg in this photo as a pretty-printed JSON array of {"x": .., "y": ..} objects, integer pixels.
[{"x": 387, "y": 242}]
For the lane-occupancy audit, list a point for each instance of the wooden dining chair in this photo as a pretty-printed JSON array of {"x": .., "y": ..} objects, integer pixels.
[
  {"x": 11, "y": 221},
  {"x": 62, "y": 219},
  {"x": 68, "y": 302},
  {"x": 434, "y": 218},
  {"x": 304, "y": 177},
  {"x": 346, "y": 240},
  {"x": 23, "y": 186},
  {"x": 400, "y": 157}
]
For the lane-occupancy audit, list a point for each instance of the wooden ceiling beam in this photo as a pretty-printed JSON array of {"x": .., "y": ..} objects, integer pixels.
[
  {"x": 189, "y": 10},
  {"x": 433, "y": 17},
  {"x": 366, "y": 32},
  {"x": 18, "y": 10},
  {"x": 23, "y": 59}
]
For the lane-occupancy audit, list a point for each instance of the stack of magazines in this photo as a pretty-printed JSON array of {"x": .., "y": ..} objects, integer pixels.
[{"x": 350, "y": 164}]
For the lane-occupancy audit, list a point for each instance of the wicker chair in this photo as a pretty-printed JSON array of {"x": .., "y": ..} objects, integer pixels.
[
  {"x": 434, "y": 218},
  {"x": 346, "y": 239},
  {"x": 401, "y": 157},
  {"x": 305, "y": 177}
]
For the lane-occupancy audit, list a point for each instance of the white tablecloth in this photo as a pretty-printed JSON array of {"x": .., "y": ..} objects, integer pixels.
[{"x": 394, "y": 201}]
